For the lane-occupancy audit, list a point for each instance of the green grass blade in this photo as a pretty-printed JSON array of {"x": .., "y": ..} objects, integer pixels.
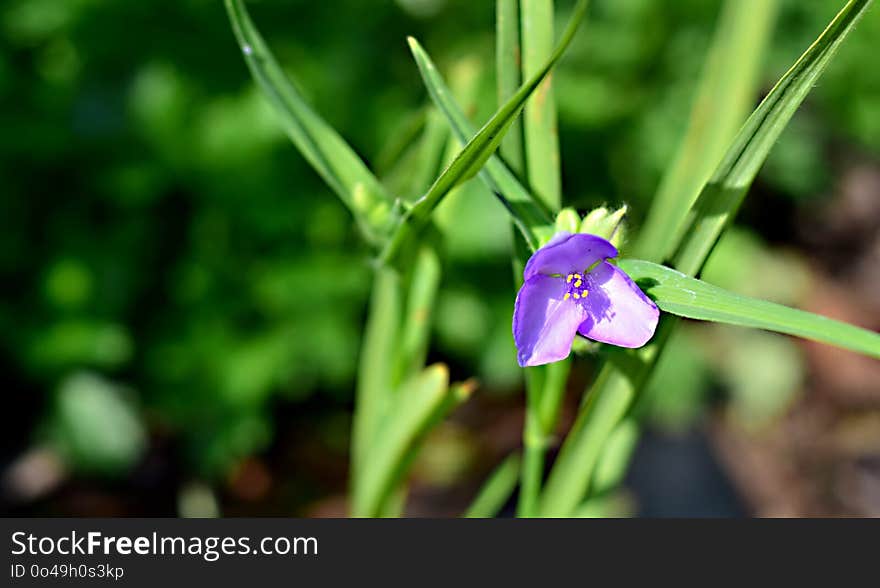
[
  {"x": 508, "y": 59},
  {"x": 431, "y": 149},
  {"x": 539, "y": 118},
  {"x": 485, "y": 142},
  {"x": 422, "y": 402},
  {"x": 688, "y": 297},
  {"x": 722, "y": 196},
  {"x": 529, "y": 215},
  {"x": 616, "y": 454},
  {"x": 420, "y": 302},
  {"x": 477, "y": 151},
  {"x": 324, "y": 149},
  {"x": 611, "y": 396},
  {"x": 375, "y": 387},
  {"x": 542, "y": 172},
  {"x": 496, "y": 490},
  {"x": 727, "y": 88},
  {"x": 401, "y": 139}
]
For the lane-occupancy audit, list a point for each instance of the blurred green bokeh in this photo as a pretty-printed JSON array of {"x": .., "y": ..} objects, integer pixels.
[{"x": 171, "y": 263}]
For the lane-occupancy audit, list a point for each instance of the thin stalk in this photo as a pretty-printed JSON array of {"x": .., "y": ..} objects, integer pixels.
[
  {"x": 539, "y": 118},
  {"x": 725, "y": 96},
  {"x": 545, "y": 385},
  {"x": 416, "y": 330},
  {"x": 496, "y": 490},
  {"x": 479, "y": 149},
  {"x": 422, "y": 402},
  {"x": 374, "y": 392},
  {"x": 618, "y": 381},
  {"x": 507, "y": 63}
]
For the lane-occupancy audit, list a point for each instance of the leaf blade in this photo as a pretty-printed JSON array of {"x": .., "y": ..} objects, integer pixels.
[
  {"x": 682, "y": 295},
  {"x": 541, "y": 138},
  {"x": 375, "y": 384},
  {"x": 331, "y": 157},
  {"x": 508, "y": 56},
  {"x": 480, "y": 148},
  {"x": 528, "y": 213},
  {"x": 726, "y": 89},
  {"x": 496, "y": 490},
  {"x": 422, "y": 401},
  {"x": 721, "y": 197}
]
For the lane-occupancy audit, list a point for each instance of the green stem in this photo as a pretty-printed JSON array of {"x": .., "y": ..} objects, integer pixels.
[
  {"x": 374, "y": 391},
  {"x": 539, "y": 118},
  {"x": 531, "y": 474},
  {"x": 416, "y": 330},
  {"x": 613, "y": 393},
  {"x": 497, "y": 489},
  {"x": 507, "y": 63},
  {"x": 545, "y": 385},
  {"x": 545, "y": 389},
  {"x": 534, "y": 445}
]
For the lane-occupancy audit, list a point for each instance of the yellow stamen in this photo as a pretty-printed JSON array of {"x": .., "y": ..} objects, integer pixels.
[
  {"x": 576, "y": 296},
  {"x": 567, "y": 296},
  {"x": 569, "y": 278},
  {"x": 577, "y": 283}
]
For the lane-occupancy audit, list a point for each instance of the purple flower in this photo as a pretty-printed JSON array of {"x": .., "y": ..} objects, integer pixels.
[{"x": 570, "y": 288}]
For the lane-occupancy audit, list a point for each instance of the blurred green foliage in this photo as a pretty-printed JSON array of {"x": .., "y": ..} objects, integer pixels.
[{"x": 160, "y": 230}]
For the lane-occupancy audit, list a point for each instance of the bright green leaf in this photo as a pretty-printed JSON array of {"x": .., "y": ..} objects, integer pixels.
[
  {"x": 496, "y": 490},
  {"x": 480, "y": 148},
  {"x": 322, "y": 146},
  {"x": 529, "y": 215},
  {"x": 688, "y": 297},
  {"x": 721, "y": 197},
  {"x": 420, "y": 404},
  {"x": 726, "y": 93}
]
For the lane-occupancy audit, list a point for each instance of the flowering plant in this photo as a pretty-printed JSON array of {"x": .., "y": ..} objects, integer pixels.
[{"x": 574, "y": 281}]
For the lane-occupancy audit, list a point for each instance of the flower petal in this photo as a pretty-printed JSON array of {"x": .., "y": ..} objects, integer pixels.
[
  {"x": 566, "y": 253},
  {"x": 544, "y": 325},
  {"x": 618, "y": 312}
]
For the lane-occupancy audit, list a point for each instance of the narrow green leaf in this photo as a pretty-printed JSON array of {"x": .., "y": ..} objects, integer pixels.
[
  {"x": 420, "y": 302},
  {"x": 508, "y": 58},
  {"x": 612, "y": 394},
  {"x": 614, "y": 460},
  {"x": 324, "y": 149},
  {"x": 688, "y": 297},
  {"x": 529, "y": 215},
  {"x": 543, "y": 176},
  {"x": 727, "y": 88},
  {"x": 722, "y": 196},
  {"x": 534, "y": 447},
  {"x": 545, "y": 391},
  {"x": 474, "y": 155},
  {"x": 431, "y": 149},
  {"x": 403, "y": 135},
  {"x": 375, "y": 386},
  {"x": 539, "y": 119},
  {"x": 422, "y": 401},
  {"x": 496, "y": 490}
]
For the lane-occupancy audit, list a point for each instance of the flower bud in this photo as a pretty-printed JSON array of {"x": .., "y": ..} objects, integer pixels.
[
  {"x": 568, "y": 220},
  {"x": 606, "y": 224}
]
